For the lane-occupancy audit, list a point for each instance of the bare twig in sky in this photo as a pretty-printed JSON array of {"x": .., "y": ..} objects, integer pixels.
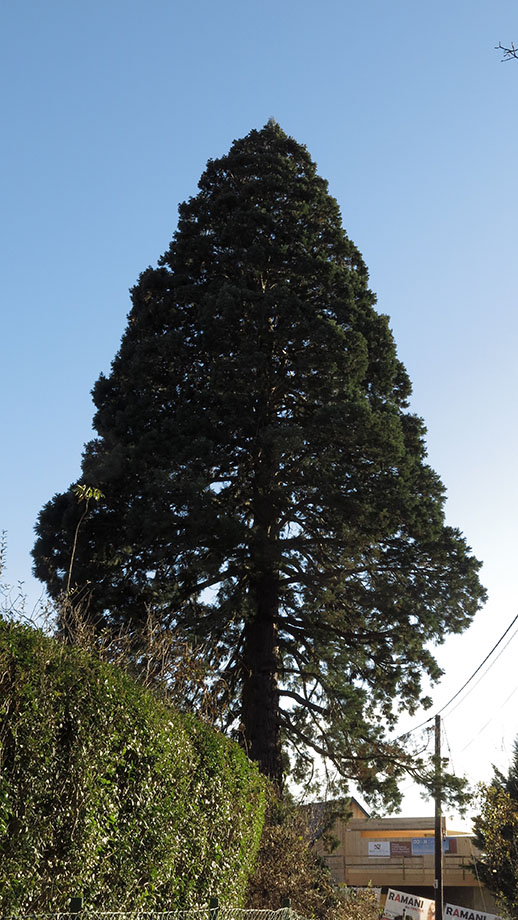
[{"x": 509, "y": 53}]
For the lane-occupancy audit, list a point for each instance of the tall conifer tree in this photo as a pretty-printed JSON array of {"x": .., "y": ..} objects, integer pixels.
[{"x": 265, "y": 485}]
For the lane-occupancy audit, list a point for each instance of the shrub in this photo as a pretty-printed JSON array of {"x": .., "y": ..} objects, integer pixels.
[
  {"x": 288, "y": 867},
  {"x": 109, "y": 792}
]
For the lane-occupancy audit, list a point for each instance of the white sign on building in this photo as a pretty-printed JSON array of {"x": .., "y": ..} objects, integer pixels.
[{"x": 379, "y": 847}]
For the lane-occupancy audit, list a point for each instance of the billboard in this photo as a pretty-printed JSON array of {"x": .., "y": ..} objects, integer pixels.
[
  {"x": 400, "y": 904},
  {"x": 417, "y": 846},
  {"x": 425, "y": 846},
  {"x": 400, "y": 848},
  {"x": 379, "y": 848},
  {"x": 456, "y": 912}
]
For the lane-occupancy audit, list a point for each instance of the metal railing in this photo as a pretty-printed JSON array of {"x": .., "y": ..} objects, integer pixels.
[{"x": 213, "y": 911}]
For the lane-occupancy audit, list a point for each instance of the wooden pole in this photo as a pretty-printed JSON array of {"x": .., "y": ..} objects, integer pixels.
[{"x": 438, "y": 883}]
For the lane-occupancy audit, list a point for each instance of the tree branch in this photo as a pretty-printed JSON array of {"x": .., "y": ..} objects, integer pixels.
[{"x": 509, "y": 53}]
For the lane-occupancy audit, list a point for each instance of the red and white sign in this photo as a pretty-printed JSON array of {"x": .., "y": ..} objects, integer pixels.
[
  {"x": 400, "y": 904},
  {"x": 456, "y": 912}
]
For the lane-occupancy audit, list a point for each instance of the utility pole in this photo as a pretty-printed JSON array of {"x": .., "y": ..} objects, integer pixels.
[{"x": 438, "y": 883}]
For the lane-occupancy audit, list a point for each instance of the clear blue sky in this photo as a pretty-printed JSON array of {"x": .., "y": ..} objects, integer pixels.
[{"x": 110, "y": 111}]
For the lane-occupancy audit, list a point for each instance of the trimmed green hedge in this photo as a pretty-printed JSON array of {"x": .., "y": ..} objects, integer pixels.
[{"x": 107, "y": 792}]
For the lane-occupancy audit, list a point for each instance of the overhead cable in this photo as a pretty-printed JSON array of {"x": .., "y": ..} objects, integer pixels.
[
  {"x": 492, "y": 719},
  {"x": 465, "y": 684},
  {"x": 481, "y": 665},
  {"x": 482, "y": 675}
]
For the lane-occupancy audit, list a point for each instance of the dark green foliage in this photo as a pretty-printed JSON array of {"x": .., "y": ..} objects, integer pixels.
[
  {"x": 265, "y": 486},
  {"x": 107, "y": 792},
  {"x": 496, "y": 835}
]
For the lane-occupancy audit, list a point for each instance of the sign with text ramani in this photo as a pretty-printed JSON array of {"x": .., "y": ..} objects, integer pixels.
[
  {"x": 400, "y": 904},
  {"x": 456, "y": 912}
]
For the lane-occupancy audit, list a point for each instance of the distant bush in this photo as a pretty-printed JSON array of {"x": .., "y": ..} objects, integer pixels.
[
  {"x": 107, "y": 792},
  {"x": 288, "y": 867}
]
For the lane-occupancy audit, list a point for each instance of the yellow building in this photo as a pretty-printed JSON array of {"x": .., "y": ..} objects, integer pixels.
[{"x": 399, "y": 853}]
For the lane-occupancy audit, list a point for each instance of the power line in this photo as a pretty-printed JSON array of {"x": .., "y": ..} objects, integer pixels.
[
  {"x": 485, "y": 672},
  {"x": 492, "y": 719},
  {"x": 449, "y": 748},
  {"x": 481, "y": 665},
  {"x": 465, "y": 684}
]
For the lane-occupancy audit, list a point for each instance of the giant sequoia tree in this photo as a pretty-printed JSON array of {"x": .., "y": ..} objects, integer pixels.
[{"x": 265, "y": 486}]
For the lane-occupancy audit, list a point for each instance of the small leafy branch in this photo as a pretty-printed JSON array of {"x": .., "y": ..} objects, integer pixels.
[{"x": 84, "y": 494}]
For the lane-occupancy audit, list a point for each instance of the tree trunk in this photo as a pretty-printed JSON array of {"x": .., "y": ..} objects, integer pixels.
[{"x": 260, "y": 699}]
